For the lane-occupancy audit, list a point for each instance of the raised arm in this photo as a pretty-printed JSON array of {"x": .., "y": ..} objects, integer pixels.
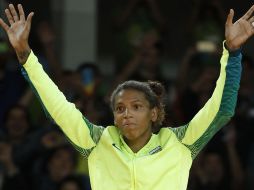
[
  {"x": 83, "y": 134},
  {"x": 220, "y": 107}
]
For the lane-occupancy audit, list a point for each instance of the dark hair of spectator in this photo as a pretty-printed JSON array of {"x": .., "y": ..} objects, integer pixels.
[
  {"x": 51, "y": 153},
  {"x": 16, "y": 106}
]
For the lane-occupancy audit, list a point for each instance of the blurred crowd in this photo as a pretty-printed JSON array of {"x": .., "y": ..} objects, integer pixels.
[{"x": 34, "y": 153}]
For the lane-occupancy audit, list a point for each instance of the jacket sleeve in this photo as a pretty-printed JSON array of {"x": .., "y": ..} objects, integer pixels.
[
  {"x": 218, "y": 110},
  {"x": 82, "y": 134}
]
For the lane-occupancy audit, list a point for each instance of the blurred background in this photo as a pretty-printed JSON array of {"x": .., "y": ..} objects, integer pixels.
[{"x": 88, "y": 47}]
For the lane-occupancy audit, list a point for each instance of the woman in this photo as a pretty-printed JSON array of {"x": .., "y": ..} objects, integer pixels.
[{"x": 127, "y": 155}]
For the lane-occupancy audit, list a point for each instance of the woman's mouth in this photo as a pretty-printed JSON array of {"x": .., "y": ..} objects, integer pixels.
[{"x": 128, "y": 125}]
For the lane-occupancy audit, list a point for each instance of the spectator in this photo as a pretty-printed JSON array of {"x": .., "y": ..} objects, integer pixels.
[
  {"x": 73, "y": 183},
  {"x": 59, "y": 163},
  {"x": 135, "y": 20}
]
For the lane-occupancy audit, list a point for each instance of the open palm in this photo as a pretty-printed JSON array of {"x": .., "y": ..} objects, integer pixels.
[
  {"x": 238, "y": 33},
  {"x": 19, "y": 27}
]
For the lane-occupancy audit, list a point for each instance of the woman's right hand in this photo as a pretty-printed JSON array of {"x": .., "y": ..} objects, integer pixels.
[{"x": 18, "y": 30}]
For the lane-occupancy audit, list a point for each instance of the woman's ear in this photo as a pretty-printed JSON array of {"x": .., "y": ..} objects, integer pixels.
[{"x": 154, "y": 114}]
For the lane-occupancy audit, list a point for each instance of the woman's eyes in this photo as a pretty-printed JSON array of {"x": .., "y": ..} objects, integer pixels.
[
  {"x": 137, "y": 106},
  {"x": 120, "y": 109},
  {"x": 134, "y": 107}
]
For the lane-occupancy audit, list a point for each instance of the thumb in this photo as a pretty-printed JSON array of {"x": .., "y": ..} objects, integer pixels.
[
  {"x": 4, "y": 25},
  {"x": 230, "y": 17}
]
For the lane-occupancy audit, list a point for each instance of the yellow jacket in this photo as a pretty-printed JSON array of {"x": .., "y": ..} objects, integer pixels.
[{"x": 165, "y": 161}]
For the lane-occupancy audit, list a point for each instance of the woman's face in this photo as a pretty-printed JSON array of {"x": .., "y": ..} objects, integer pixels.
[
  {"x": 61, "y": 164},
  {"x": 17, "y": 124},
  {"x": 133, "y": 115},
  {"x": 70, "y": 185}
]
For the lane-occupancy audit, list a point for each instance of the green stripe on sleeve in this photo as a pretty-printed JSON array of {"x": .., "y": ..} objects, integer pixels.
[{"x": 218, "y": 110}]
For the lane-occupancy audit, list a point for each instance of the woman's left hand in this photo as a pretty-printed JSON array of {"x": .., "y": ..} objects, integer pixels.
[{"x": 238, "y": 33}]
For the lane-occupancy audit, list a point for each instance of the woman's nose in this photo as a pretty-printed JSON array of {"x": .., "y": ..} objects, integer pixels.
[{"x": 126, "y": 112}]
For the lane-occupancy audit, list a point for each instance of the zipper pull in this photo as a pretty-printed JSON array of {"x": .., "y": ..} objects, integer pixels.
[{"x": 114, "y": 145}]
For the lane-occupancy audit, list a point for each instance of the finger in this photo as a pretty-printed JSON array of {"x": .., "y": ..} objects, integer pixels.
[
  {"x": 251, "y": 19},
  {"x": 13, "y": 12},
  {"x": 230, "y": 17},
  {"x": 249, "y": 13},
  {"x": 21, "y": 12},
  {"x": 29, "y": 21},
  {"x": 9, "y": 16},
  {"x": 4, "y": 25}
]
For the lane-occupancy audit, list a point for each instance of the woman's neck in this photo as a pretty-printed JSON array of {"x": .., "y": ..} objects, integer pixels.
[{"x": 137, "y": 144}]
